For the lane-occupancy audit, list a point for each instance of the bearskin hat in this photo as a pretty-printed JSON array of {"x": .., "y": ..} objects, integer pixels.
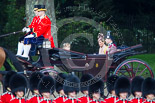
[
  {"x": 71, "y": 84},
  {"x": 34, "y": 80},
  {"x": 97, "y": 87},
  {"x": 85, "y": 86},
  {"x": 136, "y": 84},
  {"x": 7, "y": 79},
  {"x": 46, "y": 84},
  {"x": 60, "y": 81},
  {"x": 122, "y": 85},
  {"x": 148, "y": 86},
  {"x": 18, "y": 82},
  {"x": 111, "y": 82}
]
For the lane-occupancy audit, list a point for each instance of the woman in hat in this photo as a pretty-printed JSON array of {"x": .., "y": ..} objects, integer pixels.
[
  {"x": 110, "y": 87},
  {"x": 85, "y": 83},
  {"x": 46, "y": 87},
  {"x": 18, "y": 85},
  {"x": 7, "y": 96},
  {"x": 122, "y": 89},
  {"x": 148, "y": 90},
  {"x": 71, "y": 88},
  {"x": 136, "y": 89},
  {"x": 34, "y": 81},
  {"x": 101, "y": 42},
  {"x": 59, "y": 88},
  {"x": 96, "y": 91}
]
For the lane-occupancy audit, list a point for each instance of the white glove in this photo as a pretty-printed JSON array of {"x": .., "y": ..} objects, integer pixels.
[
  {"x": 26, "y": 29},
  {"x": 29, "y": 36}
]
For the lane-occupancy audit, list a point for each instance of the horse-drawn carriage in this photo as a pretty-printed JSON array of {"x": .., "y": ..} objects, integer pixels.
[
  {"x": 98, "y": 65},
  {"x": 48, "y": 60}
]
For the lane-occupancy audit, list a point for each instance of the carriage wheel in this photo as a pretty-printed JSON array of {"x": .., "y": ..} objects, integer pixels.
[{"x": 134, "y": 67}]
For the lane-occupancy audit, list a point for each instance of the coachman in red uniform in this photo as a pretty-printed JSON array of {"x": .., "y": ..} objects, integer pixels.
[
  {"x": 7, "y": 96},
  {"x": 18, "y": 85},
  {"x": 42, "y": 27},
  {"x": 122, "y": 89},
  {"x": 96, "y": 91},
  {"x": 34, "y": 81},
  {"x": 148, "y": 90},
  {"x": 71, "y": 88},
  {"x": 136, "y": 89},
  {"x": 110, "y": 87},
  {"x": 85, "y": 87},
  {"x": 46, "y": 87},
  {"x": 59, "y": 88}
]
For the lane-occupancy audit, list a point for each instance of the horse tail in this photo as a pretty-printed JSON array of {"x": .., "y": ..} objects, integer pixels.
[{"x": 13, "y": 60}]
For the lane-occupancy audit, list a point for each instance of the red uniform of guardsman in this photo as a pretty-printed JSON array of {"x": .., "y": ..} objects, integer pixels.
[
  {"x": 111, "y": 46},
  {"x": 18, "y": 85},
  {"x": 148, "y": 90},
  {"x": 96, "y": 91},
  {"x": 34, "y": 81},
  {"x": 85, "y": 87},
  {"x": 7, "y": 96},
  {"x": 122, "y": 89},
  {"x": 46, "y": 87},
  {"x": 136, "y": 89},
  {"x": 71, "y": 88},
  {"x": 110, "y": 87},
  {"x": 59, "y": 88}
]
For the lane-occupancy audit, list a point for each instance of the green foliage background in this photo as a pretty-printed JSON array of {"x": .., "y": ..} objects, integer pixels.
[{"x": 131, "y": 22}]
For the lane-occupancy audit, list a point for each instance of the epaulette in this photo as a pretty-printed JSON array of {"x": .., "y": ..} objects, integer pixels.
[{"x": 4, "y": 93}]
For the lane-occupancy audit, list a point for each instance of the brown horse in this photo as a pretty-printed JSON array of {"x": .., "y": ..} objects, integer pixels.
[
  {"x": 8, "y": 60},
  {"x": 2, "y": 57}
]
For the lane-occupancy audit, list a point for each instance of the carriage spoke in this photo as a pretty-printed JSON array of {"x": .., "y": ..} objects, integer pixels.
[
  {"x": 142, "y": 71},
  {"x": 127, "y": 71},
  {"x": 137, "y": 68}
]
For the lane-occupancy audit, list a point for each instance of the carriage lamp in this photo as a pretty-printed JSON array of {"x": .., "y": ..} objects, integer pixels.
[{"x": 46, "y": 44}]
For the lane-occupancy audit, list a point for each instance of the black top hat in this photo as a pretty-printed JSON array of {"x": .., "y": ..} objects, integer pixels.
[
  {"x": 60, "y": 81},
  {"x": 35, "y": 7},
  {"x": 136, "y": 84},
  {"x": 41, "y": 8},
  {"x": 148, "y": 86},
  {"x": 84, "y": 82},
  {"x": 46, "y": 84},
  {"x": 34, "y": 80},
  {"x": 18, "y": 82},
  {"x": 111, "y": 82},
  {"x": 122, "y": 85},
  {"x": 71, "y": 84},
  {"x": 7, "y": 79},
  {"x": 97, "y": 87}
]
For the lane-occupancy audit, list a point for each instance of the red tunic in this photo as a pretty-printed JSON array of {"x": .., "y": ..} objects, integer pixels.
[
  {"x": 43, "y": 27},
  {"x": 34, "y": 22},
  {"x": 17, "y": 100},
  {"x": 111, "y": 48},
  {"x": 111, "y": 99},
  {"x": 45, "y": 101},
  {"x": 149, "y": 101},
  {"x": 6, "y": 97},
  {"x": 60, "y": 99},
  {"x": 123, "y": 101},
  {"x": 34, "y": 99},
  {"x": 85, "y": 99},
  {"x": 137, "y": 100},
  {"x": 72, "y": 100}
]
